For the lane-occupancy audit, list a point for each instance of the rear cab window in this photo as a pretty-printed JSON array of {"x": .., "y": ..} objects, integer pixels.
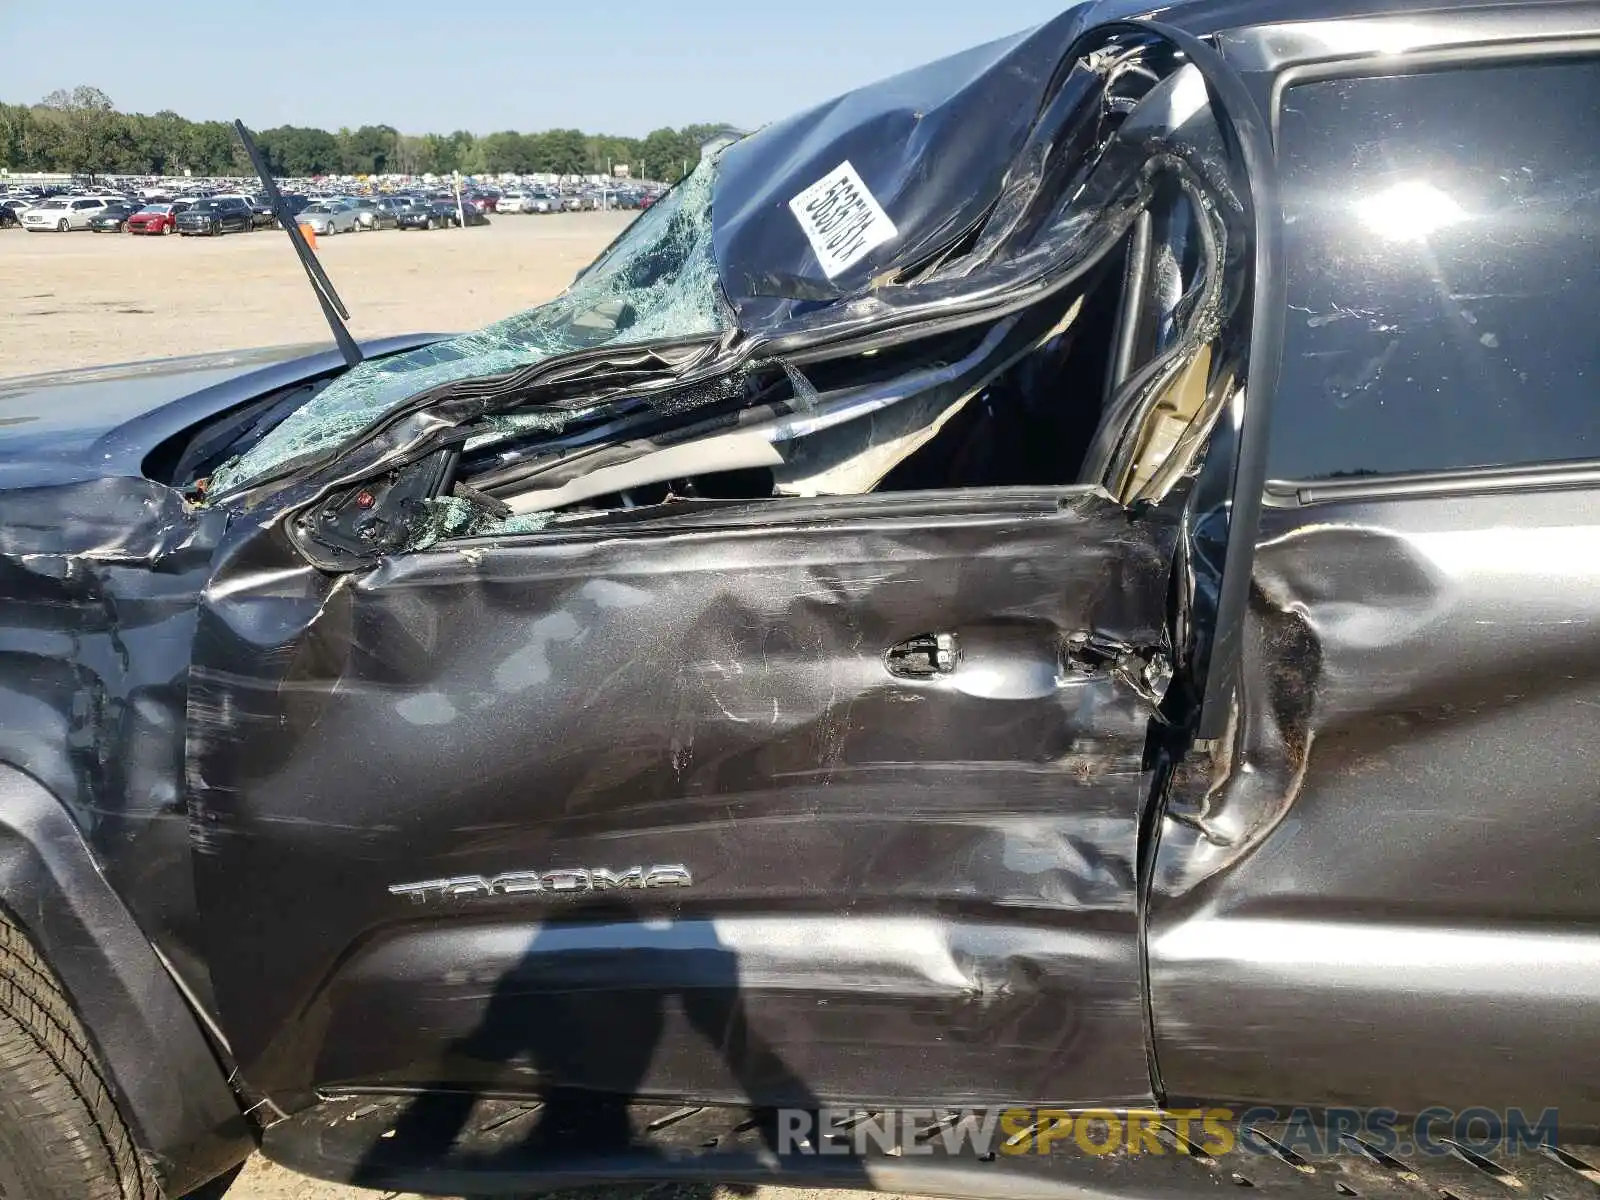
[{"x": 1443, "y": 253}]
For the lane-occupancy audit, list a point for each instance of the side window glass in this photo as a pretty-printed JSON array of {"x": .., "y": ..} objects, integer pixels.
[{"x": 1443, "y": 238}]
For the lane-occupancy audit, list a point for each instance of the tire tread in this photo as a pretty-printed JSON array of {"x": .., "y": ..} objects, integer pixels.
[{"x": 51, "y": 1083}]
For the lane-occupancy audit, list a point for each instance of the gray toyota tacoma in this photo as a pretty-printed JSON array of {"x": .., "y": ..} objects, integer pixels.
[{"x": 1031, "y": 631}]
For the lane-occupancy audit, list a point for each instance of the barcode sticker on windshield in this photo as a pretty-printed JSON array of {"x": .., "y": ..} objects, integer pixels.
[{"x": 842, "y": 220}]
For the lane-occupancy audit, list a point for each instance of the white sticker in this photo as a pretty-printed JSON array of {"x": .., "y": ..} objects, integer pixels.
[{"x": 842, "y": 220}]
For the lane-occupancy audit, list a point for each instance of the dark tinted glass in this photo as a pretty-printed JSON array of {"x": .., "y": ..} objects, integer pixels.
[{"x": 1444, "y": 271}]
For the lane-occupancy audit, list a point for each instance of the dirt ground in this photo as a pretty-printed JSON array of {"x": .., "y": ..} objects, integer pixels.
[
  {"x": 265, "y": 1181},
  {"x": 86, "y": 299}
]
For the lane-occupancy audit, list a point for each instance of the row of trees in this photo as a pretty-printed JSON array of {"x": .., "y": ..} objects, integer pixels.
[
  {"x": 80, "y": 131},
  {"x": 381, "y": 149}
]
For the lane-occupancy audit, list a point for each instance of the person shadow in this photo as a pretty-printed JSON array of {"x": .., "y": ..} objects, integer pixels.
[{"x": 583, "y": 1014}]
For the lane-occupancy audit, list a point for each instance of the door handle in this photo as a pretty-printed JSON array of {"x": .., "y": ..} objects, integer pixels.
[{"x": 926, "y": 656}]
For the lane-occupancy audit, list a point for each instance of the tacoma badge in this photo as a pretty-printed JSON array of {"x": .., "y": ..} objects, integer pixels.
[{"x": 571, "y": 881}]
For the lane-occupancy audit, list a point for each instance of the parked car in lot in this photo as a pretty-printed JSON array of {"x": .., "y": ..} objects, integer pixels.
[
  {"x": 375, "y": 212},
  {"x": 62, "y": 213},
  {"x": 260, "y": 211},
  {"x": 114, "y": 217},
  {"x": 438, "y": 214},
  {"x": 473, "y": 213},
  {"x": 426, "y": 214},
  {"x": 401, "y": 205},
  {"x": 8, "y": 218},
  {"x": 294, "y": 203},
  {"x": 159, "y": 218},
  {"x": 216, "y": 215},
  {"x": 542, "y": 202},
  {"x": 327, "y": 217}
]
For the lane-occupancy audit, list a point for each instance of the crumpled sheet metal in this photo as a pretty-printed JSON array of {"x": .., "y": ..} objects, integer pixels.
[
  {"x": 654, "y": 373},
  {"x": 1398, "y": 834},
  {"x": 932, "y": 145},
  {"x": 714, "y": 695},
  {"x": 1063, "y": 166},
  {"x": 842, "y": 1008},
  {"x": 1069, "y": 154},
  {"x": 99, "y": 584}
]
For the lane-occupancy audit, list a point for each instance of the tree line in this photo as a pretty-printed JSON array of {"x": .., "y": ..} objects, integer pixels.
[{"x": 81, "y": 132}]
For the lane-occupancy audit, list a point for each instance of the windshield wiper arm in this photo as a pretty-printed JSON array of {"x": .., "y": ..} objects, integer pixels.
[{"x": 333, "y": 308}]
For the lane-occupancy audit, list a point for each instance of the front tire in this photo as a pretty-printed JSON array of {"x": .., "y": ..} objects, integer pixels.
[
  {"x": 62, "y": 226},
  {"x": 432, "y": 224},
  {"x": 61, "y": 1137}
]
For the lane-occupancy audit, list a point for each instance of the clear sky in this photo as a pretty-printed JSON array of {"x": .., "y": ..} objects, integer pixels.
[{"x": 430, "y": 66}]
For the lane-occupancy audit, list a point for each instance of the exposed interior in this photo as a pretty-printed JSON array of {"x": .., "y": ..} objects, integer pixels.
[
  {"x": 1105, "y": 383},
  {"x": 1113, "y": 375}
]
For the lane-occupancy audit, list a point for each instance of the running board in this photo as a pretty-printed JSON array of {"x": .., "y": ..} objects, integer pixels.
[{"x": 450, "y": 1145}]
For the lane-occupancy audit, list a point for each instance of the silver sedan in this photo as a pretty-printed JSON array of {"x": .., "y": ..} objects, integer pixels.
[{"x": 331, "y": 216}]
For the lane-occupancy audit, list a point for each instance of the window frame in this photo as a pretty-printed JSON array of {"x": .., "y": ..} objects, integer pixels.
[{"x": 1282, "y": 491}]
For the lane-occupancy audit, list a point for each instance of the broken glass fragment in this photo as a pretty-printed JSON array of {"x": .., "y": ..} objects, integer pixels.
[{"x": 657, "y": 281}]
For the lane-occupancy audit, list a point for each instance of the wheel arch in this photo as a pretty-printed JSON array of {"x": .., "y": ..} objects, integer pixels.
[{"x": 168, "y": 1083}]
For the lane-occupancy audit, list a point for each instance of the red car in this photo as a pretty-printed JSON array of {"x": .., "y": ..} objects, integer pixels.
[{"x": 157, "y": 218}]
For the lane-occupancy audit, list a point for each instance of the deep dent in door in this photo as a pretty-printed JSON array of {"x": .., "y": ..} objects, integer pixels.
[
  {"x": 902, "y": 889},
  {"x": 1387, "y": 839}
]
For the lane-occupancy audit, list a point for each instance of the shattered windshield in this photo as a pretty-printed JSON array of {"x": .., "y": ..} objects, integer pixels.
[{"x": 657, "y": 281}]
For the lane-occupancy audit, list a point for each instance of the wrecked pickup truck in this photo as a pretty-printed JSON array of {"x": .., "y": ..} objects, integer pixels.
[{"x": 1065, "y": 578}]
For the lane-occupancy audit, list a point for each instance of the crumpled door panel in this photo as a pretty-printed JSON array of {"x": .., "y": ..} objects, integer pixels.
[
  {"x": 1387, "y": 871},
  {"x": 903, "y": 888}
]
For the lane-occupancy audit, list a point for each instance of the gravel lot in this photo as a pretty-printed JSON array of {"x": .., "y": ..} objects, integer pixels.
[
  {"x": 265, "y": 1181},
  {"x": 86, "y": 299}
]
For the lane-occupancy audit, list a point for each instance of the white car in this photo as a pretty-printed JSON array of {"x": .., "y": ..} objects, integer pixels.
[
  {"x": 61, "y": 213},
  {"x": 513, "y": 202},
  {"x": 541, "y": 202},
  {"x": 330, "y": 216}
]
